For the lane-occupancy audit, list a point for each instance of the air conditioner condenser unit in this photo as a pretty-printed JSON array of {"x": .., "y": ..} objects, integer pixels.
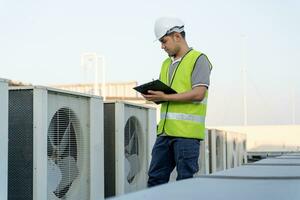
[
  {"x": 55, "y": 145},
  {"x": 129, "y": 134}
]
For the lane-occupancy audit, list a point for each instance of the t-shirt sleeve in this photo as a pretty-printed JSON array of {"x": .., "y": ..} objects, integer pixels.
[{"x": 201, "y": 72}]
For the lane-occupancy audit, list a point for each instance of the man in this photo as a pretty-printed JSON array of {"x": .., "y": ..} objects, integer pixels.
[{"x": 183, "y": 114}]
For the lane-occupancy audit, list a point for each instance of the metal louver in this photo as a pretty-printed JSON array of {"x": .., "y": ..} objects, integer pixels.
[{"x": 62, "y": 151}]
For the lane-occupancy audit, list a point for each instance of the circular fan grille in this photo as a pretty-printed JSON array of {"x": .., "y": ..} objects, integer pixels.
[
  {"x": 218, "y": 151},
  {"x": 62, "y": 151},
  {"x": 233, "y": 153},
  {"x": 132, "y": 131}
]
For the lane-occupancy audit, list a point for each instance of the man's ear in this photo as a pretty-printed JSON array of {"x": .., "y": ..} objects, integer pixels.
[{"x": 177, "y": 37}]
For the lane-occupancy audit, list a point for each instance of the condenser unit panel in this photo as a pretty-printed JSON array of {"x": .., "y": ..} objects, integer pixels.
[
  {"x": 20, "y": 146},
  {"x": 109, "y": 152},
  {"x": 217, "y": 147},
  {"x": 4, "y": 137}
]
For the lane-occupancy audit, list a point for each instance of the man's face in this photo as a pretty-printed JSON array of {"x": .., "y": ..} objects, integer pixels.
[{"x": 169, "y": 44}]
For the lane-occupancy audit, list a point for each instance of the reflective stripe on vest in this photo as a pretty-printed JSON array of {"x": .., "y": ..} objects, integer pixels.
[{"x": 181, "y": 116}]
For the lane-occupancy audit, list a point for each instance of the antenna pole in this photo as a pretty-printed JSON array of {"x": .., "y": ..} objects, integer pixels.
[
  {"x": 96, "y": 80},
  {"x": 293, "y": 106},
  {"x": 92, "y": 61},
  {"x": 244, "y": 75},
  {"x": 103, "y": 85}
]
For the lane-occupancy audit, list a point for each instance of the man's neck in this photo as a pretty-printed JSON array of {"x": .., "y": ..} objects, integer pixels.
[{"x": 182, "y": 52}]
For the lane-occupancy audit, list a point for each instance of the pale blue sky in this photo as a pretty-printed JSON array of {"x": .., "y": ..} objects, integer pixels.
[{"x": 41, "y": 42}]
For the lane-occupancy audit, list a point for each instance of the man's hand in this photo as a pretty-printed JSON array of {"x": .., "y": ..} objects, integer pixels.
[
  {"x": 155, "y": 96},
  {"x": 196, "y": 94}
]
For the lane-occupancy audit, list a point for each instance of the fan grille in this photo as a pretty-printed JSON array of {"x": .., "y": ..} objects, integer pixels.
[
  {"x": 218, "y": 151},
  {"x": 62, "y": 150},
  {"x": 131, "y": 145}
]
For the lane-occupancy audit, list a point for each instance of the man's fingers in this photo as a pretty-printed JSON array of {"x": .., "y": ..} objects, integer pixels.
[{"x": 153, "y": 92}]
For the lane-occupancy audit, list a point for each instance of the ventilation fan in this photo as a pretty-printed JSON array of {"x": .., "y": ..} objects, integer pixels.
[
  {"x": 62, "y": 151},
  {"x": 4, "y": 137},
  {"x": 128, "y": 130},
  {"x": 231, "y": 150},
  {"x": 242, "y": 149},
  {"x": 132, "y": 162},
  {"x": 55, "y": 146}
]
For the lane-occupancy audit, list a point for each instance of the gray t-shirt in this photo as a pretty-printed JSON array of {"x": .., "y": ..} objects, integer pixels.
[{"x": 200, "y": 74}]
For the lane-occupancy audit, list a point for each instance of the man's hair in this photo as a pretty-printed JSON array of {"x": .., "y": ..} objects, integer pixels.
[{"x": 182, "y": 33}]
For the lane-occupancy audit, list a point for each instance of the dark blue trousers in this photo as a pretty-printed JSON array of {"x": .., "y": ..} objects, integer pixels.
[{"x": 170, "y": 152}]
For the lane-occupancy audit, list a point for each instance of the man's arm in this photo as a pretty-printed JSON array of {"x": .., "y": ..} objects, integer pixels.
[
  {"x": 196, "y": 94},
  {"x": 200, "y": 83}
]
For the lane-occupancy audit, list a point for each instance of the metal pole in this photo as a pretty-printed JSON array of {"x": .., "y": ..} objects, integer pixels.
[
  {"x": 96, "y": 81},
  {"x": 293, "y": 106},
  {"x": 94, "y": 60},
  {"x": 244, "y": 75},
  {"x": 103, "y": 79}
]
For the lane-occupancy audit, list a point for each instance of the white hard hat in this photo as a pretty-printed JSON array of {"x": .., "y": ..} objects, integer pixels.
[{"x": 166, "y": 25}]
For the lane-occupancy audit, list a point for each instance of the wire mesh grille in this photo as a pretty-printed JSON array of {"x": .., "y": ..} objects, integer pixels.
[
  {"x": 219, "y": 154},
  {"x": 20, "y": 145},
  {"x": 132, "y": 130},
  {"x": 62, "y": 151}
]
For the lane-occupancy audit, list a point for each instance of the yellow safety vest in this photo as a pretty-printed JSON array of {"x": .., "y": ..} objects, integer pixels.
[{"x": 182, "y": 119}]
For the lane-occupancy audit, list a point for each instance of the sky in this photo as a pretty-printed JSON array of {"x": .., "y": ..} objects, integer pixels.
[{"x": 41, "y": 42}]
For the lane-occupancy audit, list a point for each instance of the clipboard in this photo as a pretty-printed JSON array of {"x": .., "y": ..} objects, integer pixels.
[{"x": 155, "y": 85}]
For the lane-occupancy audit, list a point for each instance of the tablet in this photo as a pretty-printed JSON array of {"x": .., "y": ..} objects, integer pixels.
[{"x": 155, "y": 85}]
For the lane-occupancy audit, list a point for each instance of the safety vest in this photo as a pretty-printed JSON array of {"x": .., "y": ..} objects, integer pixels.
[{"x": 182, "y": 119}]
